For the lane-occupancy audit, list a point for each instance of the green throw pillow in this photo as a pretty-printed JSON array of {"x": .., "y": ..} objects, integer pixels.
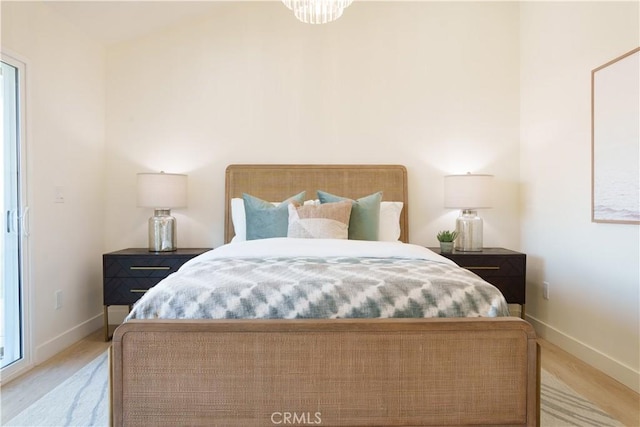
[
  {"x": 264, "y": 220},
  {"x": 365, "y": 214}
]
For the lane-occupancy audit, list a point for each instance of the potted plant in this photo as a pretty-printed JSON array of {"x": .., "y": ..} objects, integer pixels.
[{"x": 446, "y": 239}]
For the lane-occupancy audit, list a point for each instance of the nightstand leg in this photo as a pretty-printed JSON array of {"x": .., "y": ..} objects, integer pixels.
[
  {"x": 106, "y": 323},
  {"x": 522, "y": 311}
]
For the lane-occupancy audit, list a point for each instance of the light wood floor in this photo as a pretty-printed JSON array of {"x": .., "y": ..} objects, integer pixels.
[{"x": 618, "y": 400}]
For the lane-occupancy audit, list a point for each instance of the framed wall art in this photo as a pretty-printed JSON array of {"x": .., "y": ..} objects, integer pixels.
[{"x": 615, "y": 140}]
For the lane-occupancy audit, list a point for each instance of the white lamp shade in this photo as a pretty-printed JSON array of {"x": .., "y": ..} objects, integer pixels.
[
  {"x": 162, "y": 190},
  {"x": 468, "y": 191}
]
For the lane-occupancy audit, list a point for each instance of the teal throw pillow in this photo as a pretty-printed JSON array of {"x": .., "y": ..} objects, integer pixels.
[
  {"x": 264, "y": 219},
  {"x": 365, "y": 214}
]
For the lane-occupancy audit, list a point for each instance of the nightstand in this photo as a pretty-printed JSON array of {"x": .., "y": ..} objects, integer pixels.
[
  {"x": 503, "y": 268},
  {"x": 129, "y": 273}
]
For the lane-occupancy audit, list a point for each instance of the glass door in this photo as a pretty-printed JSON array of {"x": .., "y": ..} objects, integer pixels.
[{"x": 12, "y": 315}]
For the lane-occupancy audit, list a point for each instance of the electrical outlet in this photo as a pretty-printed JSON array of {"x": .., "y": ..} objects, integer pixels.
[
  {"x": 545, "y": 290},
  {"x": 58, "y": 298}
]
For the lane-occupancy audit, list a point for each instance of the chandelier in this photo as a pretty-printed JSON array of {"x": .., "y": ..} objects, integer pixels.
[{"x": 317, "y": 11}]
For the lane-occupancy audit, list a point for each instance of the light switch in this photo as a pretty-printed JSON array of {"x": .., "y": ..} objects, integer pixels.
[{"x": 58, "y": 195}]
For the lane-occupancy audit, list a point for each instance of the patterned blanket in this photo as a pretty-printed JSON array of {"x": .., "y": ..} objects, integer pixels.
[{"x": 320, "y": 287}]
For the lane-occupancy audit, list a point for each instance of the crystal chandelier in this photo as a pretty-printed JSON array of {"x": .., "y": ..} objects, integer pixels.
[{"x": 317, "y": 11}]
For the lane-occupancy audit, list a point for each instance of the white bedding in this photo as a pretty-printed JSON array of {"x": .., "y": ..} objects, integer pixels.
[{"x": 288, "y": 247}]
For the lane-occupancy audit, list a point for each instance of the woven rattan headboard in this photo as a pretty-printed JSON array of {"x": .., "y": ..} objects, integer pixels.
[{"x": 277, "y": 182}]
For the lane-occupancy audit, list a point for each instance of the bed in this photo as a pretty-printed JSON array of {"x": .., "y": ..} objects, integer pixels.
[{"x": 408, "y": 352}]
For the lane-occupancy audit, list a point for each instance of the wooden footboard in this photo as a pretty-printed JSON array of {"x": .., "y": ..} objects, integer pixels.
[{"x": 361, "y": 372}]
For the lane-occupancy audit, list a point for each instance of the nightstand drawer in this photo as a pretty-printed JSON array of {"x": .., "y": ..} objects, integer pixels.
[
  {"x": 141, "y": 266},
  {"x": 126, "y": 291},
  {"x": 493, "y": 266}
]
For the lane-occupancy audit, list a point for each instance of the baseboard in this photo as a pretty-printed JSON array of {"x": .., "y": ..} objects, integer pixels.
[
  {"x": 57, "y": 344},
  {"x": 611, "y": 367}
]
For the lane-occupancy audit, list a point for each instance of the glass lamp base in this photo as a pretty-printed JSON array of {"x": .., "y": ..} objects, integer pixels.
[
  {"x": 469, "y": 228},
  {"x": 162, "y": 231}
]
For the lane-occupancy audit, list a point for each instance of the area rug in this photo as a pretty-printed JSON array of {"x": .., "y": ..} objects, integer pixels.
[
  {"x": 82, "y": 401},
  {"x": 561, "y": 406}
]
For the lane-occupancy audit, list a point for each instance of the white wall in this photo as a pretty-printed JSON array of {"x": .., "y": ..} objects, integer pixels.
[
  {"x": 65, "y": 148},
  {"x": 592, "y": 269},
  {"x": 433, "y": 86}
]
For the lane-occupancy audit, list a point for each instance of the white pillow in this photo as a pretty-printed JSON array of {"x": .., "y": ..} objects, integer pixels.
[
  {"x": 389, "y": 228},
  {"x": 239, "y": 220}
]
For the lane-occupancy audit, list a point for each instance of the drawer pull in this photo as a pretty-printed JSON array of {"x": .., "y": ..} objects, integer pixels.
[
  {"x": 482, "y": 268},
  {"x": 149, "y": 268},
  {"x": 138, "y": 291}
]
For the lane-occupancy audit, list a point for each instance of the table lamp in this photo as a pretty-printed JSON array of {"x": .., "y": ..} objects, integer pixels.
[
  {"x": 162, "y": 192},
  {"x": 468, "y": 192}
]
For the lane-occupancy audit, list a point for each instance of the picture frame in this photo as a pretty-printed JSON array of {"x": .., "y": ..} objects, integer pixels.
[{"x": 615, "y": 140}]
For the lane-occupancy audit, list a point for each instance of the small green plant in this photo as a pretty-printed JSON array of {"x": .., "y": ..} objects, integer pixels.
[{"x": 447, "y": 236}]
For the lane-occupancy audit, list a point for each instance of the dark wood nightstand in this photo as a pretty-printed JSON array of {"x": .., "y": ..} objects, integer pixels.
[
  {"x": 503, "y": 268},
  {"x": 129, "y": 273}
]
